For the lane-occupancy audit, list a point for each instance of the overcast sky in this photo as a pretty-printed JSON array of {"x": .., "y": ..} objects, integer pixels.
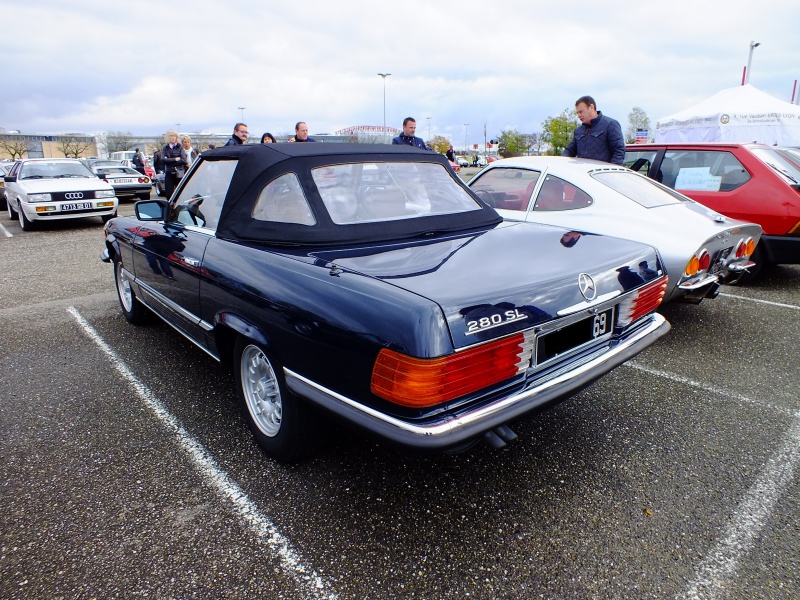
[{"x": 144, "y": 66}]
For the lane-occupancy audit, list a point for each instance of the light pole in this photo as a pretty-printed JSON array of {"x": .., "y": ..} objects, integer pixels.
[
  {"x": 466, "y": 125},
  {"x": 384, "y": 75},
  {"x": 429, "y": 130},
  {"x": 753, "y": 46},
  {"x": 241, "y": 108}
]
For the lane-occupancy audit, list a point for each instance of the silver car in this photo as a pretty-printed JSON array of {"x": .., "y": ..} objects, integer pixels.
[{"x": 699, "y": 247}]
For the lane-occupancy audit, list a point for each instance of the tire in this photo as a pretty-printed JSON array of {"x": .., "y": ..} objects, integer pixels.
[
  {"x": 23, "y": 221},
  {"x": 12, "y": 214},
  {"x": 160, "y": 191},
  {"x": 283, "y": 425},
  {"x": 134, "y": 311},
  {"x": 107, "y": 218}
]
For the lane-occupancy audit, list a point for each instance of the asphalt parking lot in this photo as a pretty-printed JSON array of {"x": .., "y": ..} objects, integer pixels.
[{"x": 127, "y": 472}]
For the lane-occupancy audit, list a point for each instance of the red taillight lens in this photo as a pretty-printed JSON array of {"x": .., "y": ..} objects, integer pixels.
[
  {"x": 423, "y": 382},
  {"x": 642, "y": 302},
  {"x": 144, "y": 180},
  {"x": 704, "y": 260},
  {"x": 745, "y": 248}
]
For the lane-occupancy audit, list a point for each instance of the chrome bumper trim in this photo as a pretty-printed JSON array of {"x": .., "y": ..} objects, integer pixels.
[{"x": 458, "y": 428}]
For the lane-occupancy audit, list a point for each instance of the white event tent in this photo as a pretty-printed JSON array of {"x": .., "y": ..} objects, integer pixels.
[{"x": 739, "y": 114}]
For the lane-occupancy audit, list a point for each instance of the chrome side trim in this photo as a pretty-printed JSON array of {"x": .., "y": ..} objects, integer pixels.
[{"x": 177, "y": 308}]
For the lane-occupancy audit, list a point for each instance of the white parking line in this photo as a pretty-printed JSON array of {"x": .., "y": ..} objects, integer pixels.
[
  {"x": 712, "y": 389},
  {"x": 6, "y": 232},
  {"x": 779, "y": 304},
  {"x": 719, "y": 567},
  {"x": 306, "y": 577}
]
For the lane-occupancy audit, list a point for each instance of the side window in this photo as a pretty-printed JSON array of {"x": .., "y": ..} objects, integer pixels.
[
  {"x": 507, "y": 188},
  {"x": 201, "y": 198},
  {"x": 707, "y": 171},
  {"x": 557, "y": 194},
  {"x": 283, "y": 201},
  {"x": 640, "y": 161},
  {"x": 729, "y": 169}
]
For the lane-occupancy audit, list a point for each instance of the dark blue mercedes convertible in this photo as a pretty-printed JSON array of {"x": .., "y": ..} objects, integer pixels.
[{"x": 368, "y": 284}]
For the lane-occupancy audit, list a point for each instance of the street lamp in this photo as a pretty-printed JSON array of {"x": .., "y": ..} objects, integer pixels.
[
  {"x": 753, "y": 46},
  {"x": 241, "y": 108},
  {"x": 384, "y": 75},
  {"x": 466, "y": 125},
  {"x": 429, "y": 129}
]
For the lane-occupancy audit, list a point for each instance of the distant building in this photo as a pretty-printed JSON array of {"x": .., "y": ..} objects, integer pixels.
[{"x": 47, "y": 146}]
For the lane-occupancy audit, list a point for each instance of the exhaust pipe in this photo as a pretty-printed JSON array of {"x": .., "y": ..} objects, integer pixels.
[{"x": 499, "y": 436}]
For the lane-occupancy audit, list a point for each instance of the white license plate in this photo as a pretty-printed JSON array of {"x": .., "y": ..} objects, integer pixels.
[
  {"x": 123, "y": 181},
  {"x": 76, "y": 206}
]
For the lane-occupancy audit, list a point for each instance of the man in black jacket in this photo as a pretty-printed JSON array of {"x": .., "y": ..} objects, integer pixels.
[
  {"x": 407, "y": 138},
  {"x": 239, "y": 136},
  {"x": 138, "y": 161}
]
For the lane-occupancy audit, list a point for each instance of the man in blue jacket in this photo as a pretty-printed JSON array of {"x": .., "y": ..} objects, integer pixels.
[
  {"x": 407, "y": 138},
  {"x": 598, "y": 137}
]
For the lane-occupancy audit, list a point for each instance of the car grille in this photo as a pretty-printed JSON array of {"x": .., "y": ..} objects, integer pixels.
[{"x": 73, "y": 196}]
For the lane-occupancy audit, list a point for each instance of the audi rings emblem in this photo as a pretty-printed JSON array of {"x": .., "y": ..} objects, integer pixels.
[
  {"x": 73, "y": 195},
  {"x": 587, "y": 287}
]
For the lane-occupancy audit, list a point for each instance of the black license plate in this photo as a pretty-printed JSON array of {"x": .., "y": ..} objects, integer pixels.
[{"x": 551, "y": 345}]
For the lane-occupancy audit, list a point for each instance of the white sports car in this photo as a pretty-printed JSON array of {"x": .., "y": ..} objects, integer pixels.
[
  {"x": 48, "y": 189},
  {"x": 699, "y": 247}
]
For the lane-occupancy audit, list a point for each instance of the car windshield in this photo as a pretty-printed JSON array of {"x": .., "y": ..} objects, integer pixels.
[
  {"x": 779, "y": 163},
  {"x": 639, "y": 189},
  {"x": 364, "y": 192},
  {"x": 53, "y": 170}
]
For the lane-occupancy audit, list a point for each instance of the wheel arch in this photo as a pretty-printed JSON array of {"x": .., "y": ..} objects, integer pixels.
[{"x": 227, "y": 327}]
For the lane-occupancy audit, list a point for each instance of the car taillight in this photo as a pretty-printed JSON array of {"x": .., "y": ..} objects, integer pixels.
[
  {"x": 144, "y": 180},
  {"x": 745, "y": 248},
  {"x": 425, "y": 382},
  {"x": 698, "y": 263},
  {"x": 642, "y": 302}
]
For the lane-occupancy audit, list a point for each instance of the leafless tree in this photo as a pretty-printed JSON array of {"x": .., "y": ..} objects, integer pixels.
[
  {"x": 116, "y": 141},
  {"x": 13, "y": 146},
  {"x": 73, "y": 146}
]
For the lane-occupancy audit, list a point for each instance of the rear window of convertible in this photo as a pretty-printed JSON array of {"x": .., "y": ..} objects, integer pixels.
[{"x": 364, "y": 192}]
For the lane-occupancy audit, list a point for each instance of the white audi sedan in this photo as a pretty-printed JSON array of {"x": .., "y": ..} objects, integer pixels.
[
  {"x": 49, "y": 189},
  {"x": 700, "y": 248}
]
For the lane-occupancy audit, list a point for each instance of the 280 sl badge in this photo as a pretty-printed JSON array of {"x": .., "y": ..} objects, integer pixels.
[{"x": 494, "y": 320}]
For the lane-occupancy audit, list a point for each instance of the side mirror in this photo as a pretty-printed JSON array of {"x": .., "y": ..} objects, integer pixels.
[
  {"x": 9, "y": 178},
  {"x": 151, "y": 210}
]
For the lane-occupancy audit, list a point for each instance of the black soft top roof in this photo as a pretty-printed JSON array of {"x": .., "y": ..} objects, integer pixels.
[{"x": 258, "y": 164}]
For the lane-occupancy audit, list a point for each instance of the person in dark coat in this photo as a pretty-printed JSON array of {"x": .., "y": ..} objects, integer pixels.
[
  {"x": 239, "y": 136},
  {"x": 138, "y": 161},
  {"x": 158, "y": 164},
  {"x": 174, "y": 167},
  {"x": 598, "y": 137},
  {"x": 407, "y": 138}
]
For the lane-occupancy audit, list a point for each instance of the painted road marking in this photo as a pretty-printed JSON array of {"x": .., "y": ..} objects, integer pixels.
[{"x": 306, "y": 577}]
